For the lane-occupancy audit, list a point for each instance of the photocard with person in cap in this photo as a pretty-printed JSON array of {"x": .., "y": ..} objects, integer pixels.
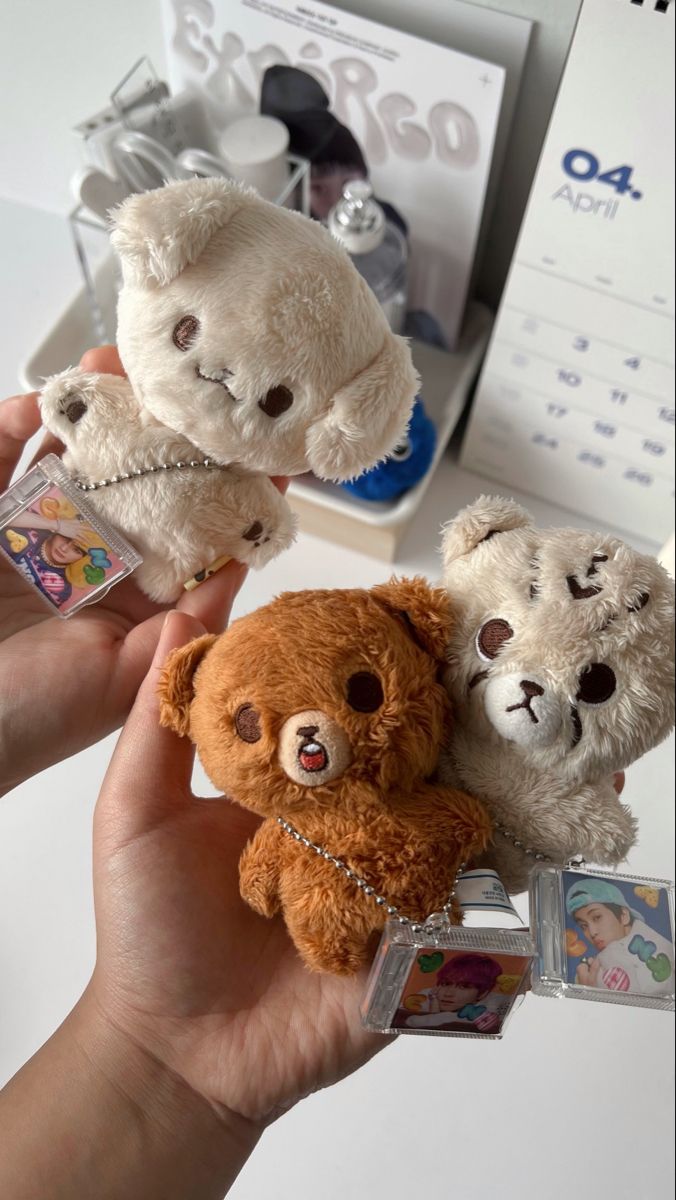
[{"x": 619, "y": 935}]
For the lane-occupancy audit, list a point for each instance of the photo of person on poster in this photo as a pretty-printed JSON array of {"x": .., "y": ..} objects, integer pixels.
[
  {"x": 631, "y": 949},
  {"x": 55, "y": 554}
]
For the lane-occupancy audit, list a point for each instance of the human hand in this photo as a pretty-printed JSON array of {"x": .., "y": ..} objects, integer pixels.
[
  {"x": 66, "y": 684},
  {"x": 200, "y": 1024},
  {"x": 186, "y": 972},
  {"x": 69, "y": 528},
  {"x": 587, "y": 972}
]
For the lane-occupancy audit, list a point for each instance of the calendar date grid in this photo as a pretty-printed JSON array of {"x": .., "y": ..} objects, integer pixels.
[
  {"x": 575, "y": 369},
  {"x": 558, "y": 408},
  {"x": 583, "y": 452},
  {"x": 634, "y": 355}
]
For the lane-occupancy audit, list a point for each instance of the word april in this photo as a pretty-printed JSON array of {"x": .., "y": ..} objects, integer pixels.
[{"x": 584, "y": 202}]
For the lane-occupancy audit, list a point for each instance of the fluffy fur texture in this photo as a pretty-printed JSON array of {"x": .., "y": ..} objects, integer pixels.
[
  {"x": 561, "y": 671},
  {"x": 179, "y": 520},
  {"x": 275, "y": 304},
  {"x": 325, "y": 708}
]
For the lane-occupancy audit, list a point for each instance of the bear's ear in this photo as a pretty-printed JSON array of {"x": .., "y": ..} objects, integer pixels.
[
  {"x": 159, "y": 233},
  {"x": 480, "y": 521},
  {"x": 367, "y": 416},
  {"x": 425, "y": 611},
  {"x": 175, "y": 688}
]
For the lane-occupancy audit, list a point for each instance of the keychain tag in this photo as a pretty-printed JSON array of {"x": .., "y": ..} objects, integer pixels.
[
  {"x": 451, "y": 980},
  {"x": 57, "y": 543},
  {"x": 603, "y": 936}
]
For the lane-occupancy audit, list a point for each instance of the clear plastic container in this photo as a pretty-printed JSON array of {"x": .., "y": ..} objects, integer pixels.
[{"x": 377, "y": 247}]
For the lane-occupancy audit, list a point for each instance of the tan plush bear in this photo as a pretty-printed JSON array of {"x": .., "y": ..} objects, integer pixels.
[
  {"x": 246, "y": 330},
  {"x": 561, "y": 671},
  {"x": 324, "y": 710}
]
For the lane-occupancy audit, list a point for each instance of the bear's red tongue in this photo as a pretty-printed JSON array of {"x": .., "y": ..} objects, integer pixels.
[{"x": 312, "y": 757}]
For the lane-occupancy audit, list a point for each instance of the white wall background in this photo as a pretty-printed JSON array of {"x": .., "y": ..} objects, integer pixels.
[{"x": 59, "y": 62}]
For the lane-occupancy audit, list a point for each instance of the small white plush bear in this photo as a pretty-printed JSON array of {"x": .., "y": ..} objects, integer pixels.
[
  {"x": 246, "y": 329},
  {"x": 180, "y": 519},
  {"x": 561, "y": 671}
]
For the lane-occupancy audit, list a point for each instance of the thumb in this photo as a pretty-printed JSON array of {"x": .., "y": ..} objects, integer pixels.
[{"x": 150, "y": 771}]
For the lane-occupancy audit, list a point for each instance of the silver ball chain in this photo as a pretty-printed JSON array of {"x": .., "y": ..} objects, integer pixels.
[
  {"x": 177, "y": 466},
  {"x": 536, "y": 855},
  {"x": 363, "y": 884},
  {"x": 575, "y": 860}
]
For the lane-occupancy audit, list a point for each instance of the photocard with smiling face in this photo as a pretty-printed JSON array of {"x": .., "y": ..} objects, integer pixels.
[
  {"x": 604, "y": 937},
  {"x": 447, "y": 980},
  {"x": 460, "y": 992},
  {"x": 67, "y": 554}
]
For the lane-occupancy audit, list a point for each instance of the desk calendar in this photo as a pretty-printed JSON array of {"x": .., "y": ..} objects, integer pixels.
[{"x": 576, "y": 398}]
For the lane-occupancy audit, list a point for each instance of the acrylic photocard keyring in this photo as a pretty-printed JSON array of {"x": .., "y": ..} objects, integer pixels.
[
  {"x": 602, "y": 936},
  {"x": 453, "y": 980},
  {"x": 57, "y": 543}
]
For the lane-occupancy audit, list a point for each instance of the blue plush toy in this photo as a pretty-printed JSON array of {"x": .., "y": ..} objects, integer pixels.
[{"x": 406, "y": 465}]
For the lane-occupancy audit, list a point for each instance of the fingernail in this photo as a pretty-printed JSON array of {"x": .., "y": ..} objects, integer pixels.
[
  {"x": 177, "y": 629},
  {"x": 168, "y": 632},
  {"x": 165, "y": 639}
]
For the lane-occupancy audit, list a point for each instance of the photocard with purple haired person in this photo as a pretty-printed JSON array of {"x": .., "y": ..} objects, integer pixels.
[{"x": 460, "y": 991}]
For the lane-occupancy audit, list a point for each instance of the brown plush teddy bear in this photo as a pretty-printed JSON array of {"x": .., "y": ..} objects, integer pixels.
[{"x": 325, "y": 710}]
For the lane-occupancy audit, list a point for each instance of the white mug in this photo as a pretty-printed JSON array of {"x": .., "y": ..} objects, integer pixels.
[{"x": 254, "y": 151}]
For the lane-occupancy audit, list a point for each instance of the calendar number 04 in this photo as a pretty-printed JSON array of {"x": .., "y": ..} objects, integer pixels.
[{"x": 584, "y": 166}]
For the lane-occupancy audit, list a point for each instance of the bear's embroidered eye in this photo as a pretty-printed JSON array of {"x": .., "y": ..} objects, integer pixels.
[
  {"x": 364, "y": 692},
  {"x": 276, "y": 401},
  {"x": 403, "y": 451},
  {"x": 596, "y": 684},
  {"x": 185, "y": 332},
  {"x": 247, "y": 723},
  {"x": 491, "y": 637},
  {"x": 534, "y": 588},
  {"x": 74, "y": 408}
]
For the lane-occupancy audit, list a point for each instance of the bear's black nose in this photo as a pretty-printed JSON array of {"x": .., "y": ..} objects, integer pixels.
[
  {"x": 276, "y": 401},
  {"x": 307, "y": 731},
  {"x": 531, "y": 689}
]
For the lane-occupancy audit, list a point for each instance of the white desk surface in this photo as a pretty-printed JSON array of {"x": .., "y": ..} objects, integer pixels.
[{"x": 577, "y": 1099}]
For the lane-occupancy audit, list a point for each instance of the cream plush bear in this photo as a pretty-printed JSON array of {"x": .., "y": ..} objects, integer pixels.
[
  {"x": 561, "y": 671},
  {"x": 180, "y": 519},
  {"x": 244, "y": 328}
]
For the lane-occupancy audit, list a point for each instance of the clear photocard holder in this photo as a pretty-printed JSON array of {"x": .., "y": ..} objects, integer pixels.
[
  {"x": 49, "y": 533},
  {"x": 452, "y": 980},
  {"x": 602, "y": 936}
]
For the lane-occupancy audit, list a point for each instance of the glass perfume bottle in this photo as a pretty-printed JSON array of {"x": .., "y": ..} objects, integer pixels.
[{"x": 376, "y": 245}]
